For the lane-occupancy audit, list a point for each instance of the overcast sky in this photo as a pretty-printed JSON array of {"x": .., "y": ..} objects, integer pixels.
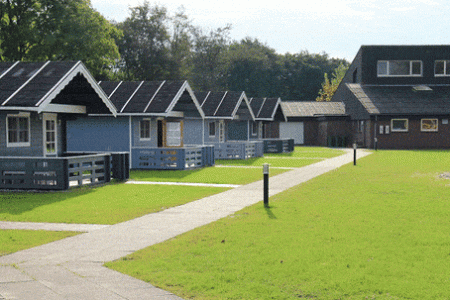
[{"x": 337, "y": 27}]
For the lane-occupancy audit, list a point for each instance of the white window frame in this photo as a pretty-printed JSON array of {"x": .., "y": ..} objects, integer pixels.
[
  {"x": 393, "y": 129},
  {"x": 50, "y": 117},
  {"x": 18, "y": 144},
  {"x": 436, "y": 121},
  {"x": 254, "y": 130},
  {"x": 209, "y": 129},
  {"x": 411, "y": 62},
  {"x": 149, "y": 130},
  {"x": 446, "y": 67}
]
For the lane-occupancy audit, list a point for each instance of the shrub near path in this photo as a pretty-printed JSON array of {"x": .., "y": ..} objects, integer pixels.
[{"x": 379, "y": 230}]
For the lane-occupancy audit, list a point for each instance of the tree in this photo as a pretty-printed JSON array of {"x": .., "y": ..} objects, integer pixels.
[
  {"x": 144, "y": 47},
  {"x": 330, "y": 87},
  {"x": 207, "y": 58},
  {"x": 252, "y": 67},
  {"x": 57, "y": 30}
]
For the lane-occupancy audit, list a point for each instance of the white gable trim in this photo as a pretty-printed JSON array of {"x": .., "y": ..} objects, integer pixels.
[{"x": 78, "y": 68}]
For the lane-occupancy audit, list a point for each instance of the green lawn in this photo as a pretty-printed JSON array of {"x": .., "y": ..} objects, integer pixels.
[
  {"x": 300, "y": 157},
  {"x": 16, "y": 240},
  {"x": 378, "y": 230},
  {"x": 205, "y": 175},
  {"x": 109, "y": 204}
]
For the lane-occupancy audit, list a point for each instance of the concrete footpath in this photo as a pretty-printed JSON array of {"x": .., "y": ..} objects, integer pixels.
[{"x": 72, "y": 268}]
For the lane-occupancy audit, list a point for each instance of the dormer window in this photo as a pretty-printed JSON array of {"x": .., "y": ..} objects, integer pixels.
[
  {"x": 391, "y": 68},
  {"x": 442, "y": 68}
]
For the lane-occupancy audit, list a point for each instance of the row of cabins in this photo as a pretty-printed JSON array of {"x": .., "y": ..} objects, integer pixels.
[
  {"x": 59, "y": 127},
  {"x": 57, "y": 122}
]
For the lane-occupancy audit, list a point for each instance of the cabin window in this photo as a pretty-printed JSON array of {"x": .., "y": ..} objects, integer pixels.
[
  {"x": 399, "y": 68},
  {"x": 254, "y": 128},
  {"x": 144, "y": 128},
  {"x": 428, "y": 125},
  {"x": 212, "y": 129},
  {"x": 18, "y": 133},
  {"x": 442, "y": 68},
  {"x": 399, "y": 125}
]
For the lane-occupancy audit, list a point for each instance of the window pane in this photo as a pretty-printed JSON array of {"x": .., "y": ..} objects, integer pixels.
[
  {"x": 447, "y": 67},
  {"x": 382, "y": 68},
  {"x": 12, "y": 137},
  {"x": 397, "y": 67},
  {"x": 439, "y": 67},
  {"x": 400, "y": 125},
  {"x": 416, "y": 68},
  {"x": 429, "y": 125},
  {"x": 23, "y": 136},
  {"x": 212, "y": 129},
  {"x": 145, "y": 129},
  {"x": 12, "y": 123}
]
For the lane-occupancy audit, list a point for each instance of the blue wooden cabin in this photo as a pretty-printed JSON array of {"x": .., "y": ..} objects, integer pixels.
[
  {"x": 36, "y": 102},
  {"x": 227, "y": 125},
  {"x": 268, "y": 116},
  {"x": 160, "y": 123}
]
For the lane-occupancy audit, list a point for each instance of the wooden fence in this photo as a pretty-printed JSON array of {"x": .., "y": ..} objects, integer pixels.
[{"x": 172, "y": 158}]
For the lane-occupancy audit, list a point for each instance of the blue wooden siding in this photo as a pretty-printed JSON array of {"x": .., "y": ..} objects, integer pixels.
[
  {"x": 36, "y": 142},
  {"x": 98, "y": 134},
  {"x": 193, "y": 132},
  {"x": 210, "y": 139},
  {"x": 137, "y": 142},
  {"x": 237, "y": 131}
]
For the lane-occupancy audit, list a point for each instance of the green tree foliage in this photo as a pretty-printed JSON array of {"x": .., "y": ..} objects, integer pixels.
[
  {"x": 144, "y": 48},
  {"x": 207, "y": 58},
  {"x": 330, "y": 87},
  {"x": 36, "y": 30},
  {"x": 252, "y": 67}
]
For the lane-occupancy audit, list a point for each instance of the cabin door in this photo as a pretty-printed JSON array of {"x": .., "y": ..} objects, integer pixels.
[
  {"x": 174, "y": 134},
  {"x": 221, "y": 131},
  {"x": 50, "y": 134},
  {"x": 160, "y": 129}
]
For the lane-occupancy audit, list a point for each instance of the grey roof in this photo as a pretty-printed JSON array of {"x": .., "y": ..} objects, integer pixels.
[
  {"x": 149, "y": 97},
  {"x": 224, "y": 104},
  {"x": 405, "y": 100},
  {"x": 312, "y": 109},
  {"x": 40, "y": 86},
  {"x": 264, "y": 108}
]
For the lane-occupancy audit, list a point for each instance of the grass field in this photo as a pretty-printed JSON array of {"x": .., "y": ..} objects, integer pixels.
[
  {"x": 300, "y": 157},
  {"x": 378, "y": 230},
  {"x": 109, "y": 204},
  {"x": 205, "y": 175},
  {"x": 16, "y": 240}
]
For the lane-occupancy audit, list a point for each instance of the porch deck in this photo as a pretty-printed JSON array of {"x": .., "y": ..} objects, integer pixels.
[
  {"x": 278, "y": 145},
  {"x": 185, "y": 158},
  {"x": 238, "y": 149},
  {"x": 60, "y": 173}
]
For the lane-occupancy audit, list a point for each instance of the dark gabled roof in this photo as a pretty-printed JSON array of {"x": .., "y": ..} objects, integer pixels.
[
  {"x": 312, "y": 109},
  {"x": 265, "y": 108},
  {"x": 223, "y": 105},
  {"x": 147, "y": 97},
  {"x": 402, "y": 100},
  {"x": 42, "y": 86}
]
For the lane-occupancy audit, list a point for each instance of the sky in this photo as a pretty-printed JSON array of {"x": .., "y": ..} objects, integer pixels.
[{"x": 336, "y": 27}]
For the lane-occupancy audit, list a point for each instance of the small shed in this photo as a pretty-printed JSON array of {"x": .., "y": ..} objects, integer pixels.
[{"x": 315, "y": 123}]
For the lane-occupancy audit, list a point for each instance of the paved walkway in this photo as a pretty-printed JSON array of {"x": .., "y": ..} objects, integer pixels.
[{"x": 72, "y": 268}]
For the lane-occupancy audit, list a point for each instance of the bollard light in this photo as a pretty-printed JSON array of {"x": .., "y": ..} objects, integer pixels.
[
  {"x": 354, "y": 153},
  {"x": 266, "y": 184}
]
